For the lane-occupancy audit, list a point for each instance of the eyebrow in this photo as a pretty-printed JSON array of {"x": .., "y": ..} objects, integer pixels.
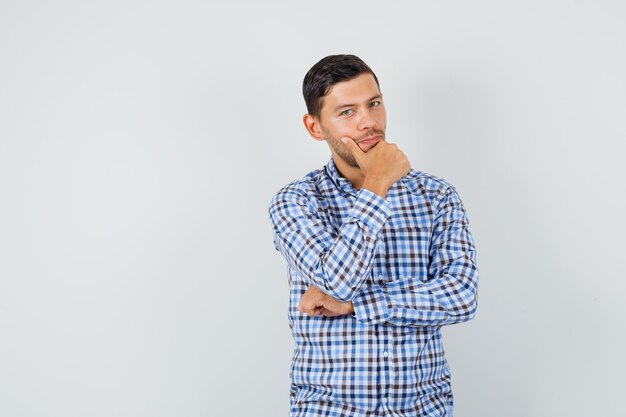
[{"x": 350, "y": 105}]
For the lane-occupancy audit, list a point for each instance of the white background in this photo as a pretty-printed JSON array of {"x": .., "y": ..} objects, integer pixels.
[{"x": 141, "y": 142}]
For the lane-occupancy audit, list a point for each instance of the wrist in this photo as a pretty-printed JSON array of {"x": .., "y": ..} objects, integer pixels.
[{"x": 376, "y": 186}]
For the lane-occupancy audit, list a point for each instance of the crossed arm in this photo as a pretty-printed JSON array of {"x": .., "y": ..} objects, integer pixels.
[{"x": 335, "y": 263}]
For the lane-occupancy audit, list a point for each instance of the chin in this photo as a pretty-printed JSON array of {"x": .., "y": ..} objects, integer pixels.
[{"x": 348, "y": 161}]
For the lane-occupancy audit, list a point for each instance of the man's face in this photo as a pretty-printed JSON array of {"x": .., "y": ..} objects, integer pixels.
[{"x": 353, "y": 108}]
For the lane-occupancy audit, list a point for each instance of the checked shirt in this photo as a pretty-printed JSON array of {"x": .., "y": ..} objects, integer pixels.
[{"x": 408, "y": 264}]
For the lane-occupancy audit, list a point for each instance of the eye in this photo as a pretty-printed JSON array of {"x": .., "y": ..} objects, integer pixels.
[
  {"x": 347, "y": 112},
  {"x": 375, "y": 104}
]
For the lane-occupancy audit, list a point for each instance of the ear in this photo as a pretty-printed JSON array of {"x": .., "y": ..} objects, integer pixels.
[{"x": 312, "y": 125}]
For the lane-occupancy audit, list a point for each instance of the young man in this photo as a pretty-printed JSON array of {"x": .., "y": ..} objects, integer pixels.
[{"x": 379, "y": 258}]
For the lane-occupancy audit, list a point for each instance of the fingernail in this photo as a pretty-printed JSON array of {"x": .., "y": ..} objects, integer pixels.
[{"x": 344, "y": 140}]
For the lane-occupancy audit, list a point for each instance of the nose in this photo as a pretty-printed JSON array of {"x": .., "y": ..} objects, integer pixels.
[{"x": 366, "y": 121}]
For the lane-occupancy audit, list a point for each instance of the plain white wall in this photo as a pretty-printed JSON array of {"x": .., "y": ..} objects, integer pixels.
[{"x": 141, "y": 142}]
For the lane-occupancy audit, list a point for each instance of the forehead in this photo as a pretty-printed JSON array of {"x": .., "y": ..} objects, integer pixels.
[{"x": 354, "y": 91}]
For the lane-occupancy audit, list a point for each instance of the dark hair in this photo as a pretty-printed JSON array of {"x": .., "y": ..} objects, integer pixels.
[{"x": 328, "y": 72}]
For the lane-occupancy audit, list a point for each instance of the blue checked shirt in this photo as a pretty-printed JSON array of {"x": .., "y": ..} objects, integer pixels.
[{"x": 408, "y": 264}]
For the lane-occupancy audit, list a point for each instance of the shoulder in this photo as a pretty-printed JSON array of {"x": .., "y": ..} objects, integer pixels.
[{"x": 302, "y": 191}]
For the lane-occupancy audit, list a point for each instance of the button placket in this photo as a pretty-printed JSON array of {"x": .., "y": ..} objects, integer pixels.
[{"x": 387, "y": 367}]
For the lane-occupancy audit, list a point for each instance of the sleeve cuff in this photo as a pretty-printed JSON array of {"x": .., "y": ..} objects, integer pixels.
[
  {"x": 372, "y": 305},
  {"x": 371, "y": 209}
]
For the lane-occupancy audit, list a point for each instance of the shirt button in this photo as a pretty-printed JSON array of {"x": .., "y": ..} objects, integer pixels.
[
  {"x": 385, "y": 400},
  {"x": 372, "y": 316},
  {"x": 385, "y": 354}
]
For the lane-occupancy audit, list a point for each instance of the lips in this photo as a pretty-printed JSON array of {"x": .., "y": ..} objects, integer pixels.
[{"x": 370, "y": 140}]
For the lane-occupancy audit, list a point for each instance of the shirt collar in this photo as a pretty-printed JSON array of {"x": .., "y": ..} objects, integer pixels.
[
  {"x": 339, "y": 181},
  {"x": 342, "y": 183}
]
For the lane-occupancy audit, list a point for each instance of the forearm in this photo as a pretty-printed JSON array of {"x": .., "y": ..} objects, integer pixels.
[
  {"x": 444, "y": 293},
  {"x": 336, "y": 261},
  {"x": 449, "y": 299}
]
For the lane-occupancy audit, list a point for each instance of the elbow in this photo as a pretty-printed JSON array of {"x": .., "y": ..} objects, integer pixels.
[
  {"x": 469, "y": 309},
  {"x": 469, "y": 306},
  {"x": 473, "y": 304},
  {"x": 473, "y": 308},
  {"x": 464, "y": 308}
]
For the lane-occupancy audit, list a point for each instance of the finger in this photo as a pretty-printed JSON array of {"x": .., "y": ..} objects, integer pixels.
[
  {"x": 314, "y": 311},
  {"x": 304, "y": 306},
  {"x": 352, "y": 146},
  {"x": 307, "y": 307}
]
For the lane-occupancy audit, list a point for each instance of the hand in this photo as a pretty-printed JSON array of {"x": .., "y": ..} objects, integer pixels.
[
  {"x": 314, "y": 302},
  {"x": 382, "y": 165}
]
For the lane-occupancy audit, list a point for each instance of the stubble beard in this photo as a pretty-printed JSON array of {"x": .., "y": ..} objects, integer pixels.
[
  {"x": 345, "y": 155},
  {"x": 347, "y": 158}
]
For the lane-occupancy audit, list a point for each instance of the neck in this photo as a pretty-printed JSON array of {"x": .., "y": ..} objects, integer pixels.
[{"x": 352, "y": 174}]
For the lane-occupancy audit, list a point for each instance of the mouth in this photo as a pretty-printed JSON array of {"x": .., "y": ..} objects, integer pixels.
[{"x": 370, "y": 140}]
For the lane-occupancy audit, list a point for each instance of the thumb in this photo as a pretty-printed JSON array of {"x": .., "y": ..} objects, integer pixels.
[{"x": 354, "y": 149}]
